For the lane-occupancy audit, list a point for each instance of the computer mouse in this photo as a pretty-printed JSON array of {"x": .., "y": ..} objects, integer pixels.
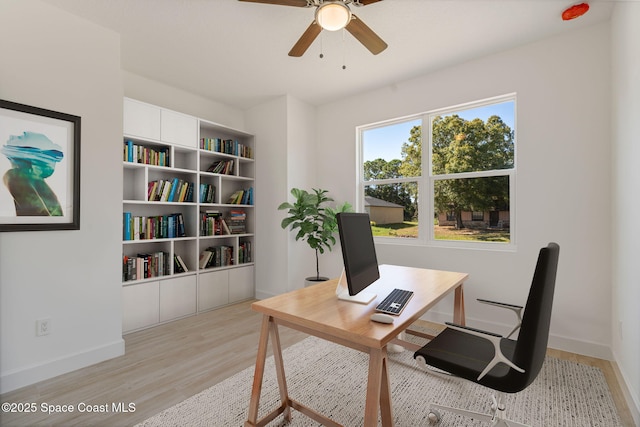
[{"x": 382, "y": 318}]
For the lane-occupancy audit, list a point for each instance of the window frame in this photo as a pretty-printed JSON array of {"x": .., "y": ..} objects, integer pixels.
[{"x": 426, "y": 181}]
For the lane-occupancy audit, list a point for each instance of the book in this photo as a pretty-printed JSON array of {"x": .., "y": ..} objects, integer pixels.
[
  {"x": 207, "y": 193},
  {"x": 180, "y": 226},
  {"x": 183, "y": 191},
  {"x": 172, "y": 190},
  {"x": 136, "y": 229},
  {"x": 189, "y": 196},
  {"x": 166, "y": 188},
  {"x": 250, "y": 199},
  {"x": 222, "y": 167},
  {"x": 205, "y": 257},
  {"x": 179, "y": 265},
  {"x": 225, "y": 227},
  {"x": 182, "y": 264},
  {"x": 235, "y": 197},
  {"x": 126, "y": 226}
]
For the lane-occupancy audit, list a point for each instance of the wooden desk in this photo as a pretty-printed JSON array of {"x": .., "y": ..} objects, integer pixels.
[{"x": 317, "y": 311}]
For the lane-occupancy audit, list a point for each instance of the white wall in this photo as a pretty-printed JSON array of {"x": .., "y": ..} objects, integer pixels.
[
  {"x": 268, "y": 123},
  {"x": 301, "y": 125},
  {"x": 54, "y": 60},
  {"x": 285, "y": 153},
  {"x": 563, "y": 178},
  {"x": 626, "y": 182}
]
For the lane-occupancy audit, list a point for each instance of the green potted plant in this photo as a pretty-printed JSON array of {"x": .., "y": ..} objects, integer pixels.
[{"x": 314, "y": 221}]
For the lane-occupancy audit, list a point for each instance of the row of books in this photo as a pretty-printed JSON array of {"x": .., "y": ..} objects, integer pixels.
[
  {"x": 216, "y": 256},
  {"x": 227, "y": 146},
  {"x": 244, "y": 252},
  {"x": 223, "y": 167},
  {"x": 241, "y": 197},
  {"x": 173, "y": 190},
  {"x": 152, "y": 227},
  {"x": 144, "y": 266},
  {"x": 157, "y": 264},
  {"x": 212, "y": 224},
  {"x": 207, "y": 193},
  {"x": 135, "y": 153}
]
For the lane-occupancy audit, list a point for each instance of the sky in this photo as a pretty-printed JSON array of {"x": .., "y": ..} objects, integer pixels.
[{"x": 385, "y": 142}]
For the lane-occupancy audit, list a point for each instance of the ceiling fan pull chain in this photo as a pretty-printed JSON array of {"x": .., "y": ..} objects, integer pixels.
[
  {"x": 344, "y": 49},
  {"x": 321, "y": 46}
]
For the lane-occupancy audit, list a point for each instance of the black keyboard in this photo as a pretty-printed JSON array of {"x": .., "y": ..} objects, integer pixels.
[{"x": 395, "y": 302}]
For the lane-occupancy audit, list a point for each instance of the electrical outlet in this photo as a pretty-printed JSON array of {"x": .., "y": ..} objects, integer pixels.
[{"x": 43, "y": 327}]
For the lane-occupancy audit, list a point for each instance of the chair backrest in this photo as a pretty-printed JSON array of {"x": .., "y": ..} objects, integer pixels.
[{"x": 532, "y": 340}]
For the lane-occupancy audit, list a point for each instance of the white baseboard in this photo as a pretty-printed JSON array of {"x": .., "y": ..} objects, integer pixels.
[
  {"x": 32, "y": 374},
  {"x": 632, "y": 400},
  {"x": 264, "y": 295}
]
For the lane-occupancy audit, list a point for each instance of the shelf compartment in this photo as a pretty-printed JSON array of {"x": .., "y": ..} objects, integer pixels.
[
  {"x": 165, "y": 219},
  {"x": 145, "y": 152}
]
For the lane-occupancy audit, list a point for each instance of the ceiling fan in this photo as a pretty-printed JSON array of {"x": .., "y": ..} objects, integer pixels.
[{"x": 332, "y": 15}]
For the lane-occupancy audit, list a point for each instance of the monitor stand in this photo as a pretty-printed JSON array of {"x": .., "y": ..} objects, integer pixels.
[{"x": 342, "y": 291}]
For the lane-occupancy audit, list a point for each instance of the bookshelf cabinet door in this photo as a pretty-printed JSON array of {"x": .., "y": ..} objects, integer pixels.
[
  {"x": 141, "y": 120},
  {"x": 140, "y": 305},
  {"x": 241, "y": 283},
  {"x": 213, "y": 290},
  {"x": 177, "y": 297},
  {"x": 179, "y": 129}
]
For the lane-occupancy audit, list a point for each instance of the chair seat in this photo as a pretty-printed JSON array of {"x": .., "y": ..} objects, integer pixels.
[{"x": 466, "y": 356}]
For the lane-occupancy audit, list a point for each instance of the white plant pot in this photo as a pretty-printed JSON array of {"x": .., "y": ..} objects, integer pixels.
[{"x": 313, "y": 280}]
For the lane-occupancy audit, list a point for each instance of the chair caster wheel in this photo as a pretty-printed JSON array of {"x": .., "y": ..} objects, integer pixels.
[{"x": 434, "y": 417}]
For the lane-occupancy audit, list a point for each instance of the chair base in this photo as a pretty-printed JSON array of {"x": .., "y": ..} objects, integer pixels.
[{"x": 494, "y": 418}]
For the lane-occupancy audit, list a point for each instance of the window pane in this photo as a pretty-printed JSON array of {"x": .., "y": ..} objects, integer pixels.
[
  {"x": 393, "y": 209},
  {"x": 474, "y": 140},
  {"x": 458, "y": 201},
  {"x": 392, "y": 151}
]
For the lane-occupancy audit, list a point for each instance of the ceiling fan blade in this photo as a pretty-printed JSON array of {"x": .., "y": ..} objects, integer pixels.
[
  {"x": 366, "y": 2},
  {"x": 305, "y": 40},
  {"x": 296, "y": 3},
  {"x": 365, "y": 35}
]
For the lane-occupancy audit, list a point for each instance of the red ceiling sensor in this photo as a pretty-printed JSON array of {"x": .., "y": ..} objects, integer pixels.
[{"x": 575, "y": 11}]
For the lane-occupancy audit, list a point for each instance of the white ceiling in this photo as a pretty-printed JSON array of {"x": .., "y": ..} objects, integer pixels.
[{"x": 236, "y": 52}]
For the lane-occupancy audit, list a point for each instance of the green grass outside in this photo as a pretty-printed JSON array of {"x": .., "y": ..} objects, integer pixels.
[{"x": 410, "y": 230}]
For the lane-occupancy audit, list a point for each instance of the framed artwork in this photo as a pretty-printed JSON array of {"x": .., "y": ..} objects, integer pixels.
[{"x": 39, "y": 168}]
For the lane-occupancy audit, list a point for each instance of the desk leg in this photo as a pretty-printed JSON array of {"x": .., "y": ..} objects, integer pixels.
[
  {"x": 282, "y": 382},
  {"x": 259, "y": 372},
  {"x": 378, "y": 390},
  {"x": 458, "y": 306},
  {"x": 268, "y": 328}
]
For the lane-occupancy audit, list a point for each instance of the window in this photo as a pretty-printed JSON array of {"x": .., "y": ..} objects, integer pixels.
[
  {"x": 461, "y": 185},
  {"x": 391, "y": 178}
]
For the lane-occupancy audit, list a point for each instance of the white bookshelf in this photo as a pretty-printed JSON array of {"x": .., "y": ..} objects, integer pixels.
[{"x": 164, "y": 293}]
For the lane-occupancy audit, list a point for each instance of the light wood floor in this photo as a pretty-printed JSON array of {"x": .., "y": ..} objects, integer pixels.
[{"x": 169, "y": 363}]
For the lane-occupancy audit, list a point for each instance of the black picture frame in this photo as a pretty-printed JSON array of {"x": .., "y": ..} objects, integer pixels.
[{"x": 39, "y": 169}]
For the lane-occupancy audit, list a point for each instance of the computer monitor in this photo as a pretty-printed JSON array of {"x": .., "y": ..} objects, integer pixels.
[{"x": 359, "y": 257}]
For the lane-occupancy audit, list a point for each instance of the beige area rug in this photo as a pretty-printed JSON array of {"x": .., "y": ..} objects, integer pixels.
[{"x": 332, "y": 380}]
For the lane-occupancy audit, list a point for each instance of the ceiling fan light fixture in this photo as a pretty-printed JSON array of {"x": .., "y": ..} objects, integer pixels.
[{"x": 333, "y": 16}]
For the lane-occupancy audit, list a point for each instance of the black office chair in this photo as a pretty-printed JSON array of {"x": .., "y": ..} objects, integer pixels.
[{"x": 496, "y": 362}]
